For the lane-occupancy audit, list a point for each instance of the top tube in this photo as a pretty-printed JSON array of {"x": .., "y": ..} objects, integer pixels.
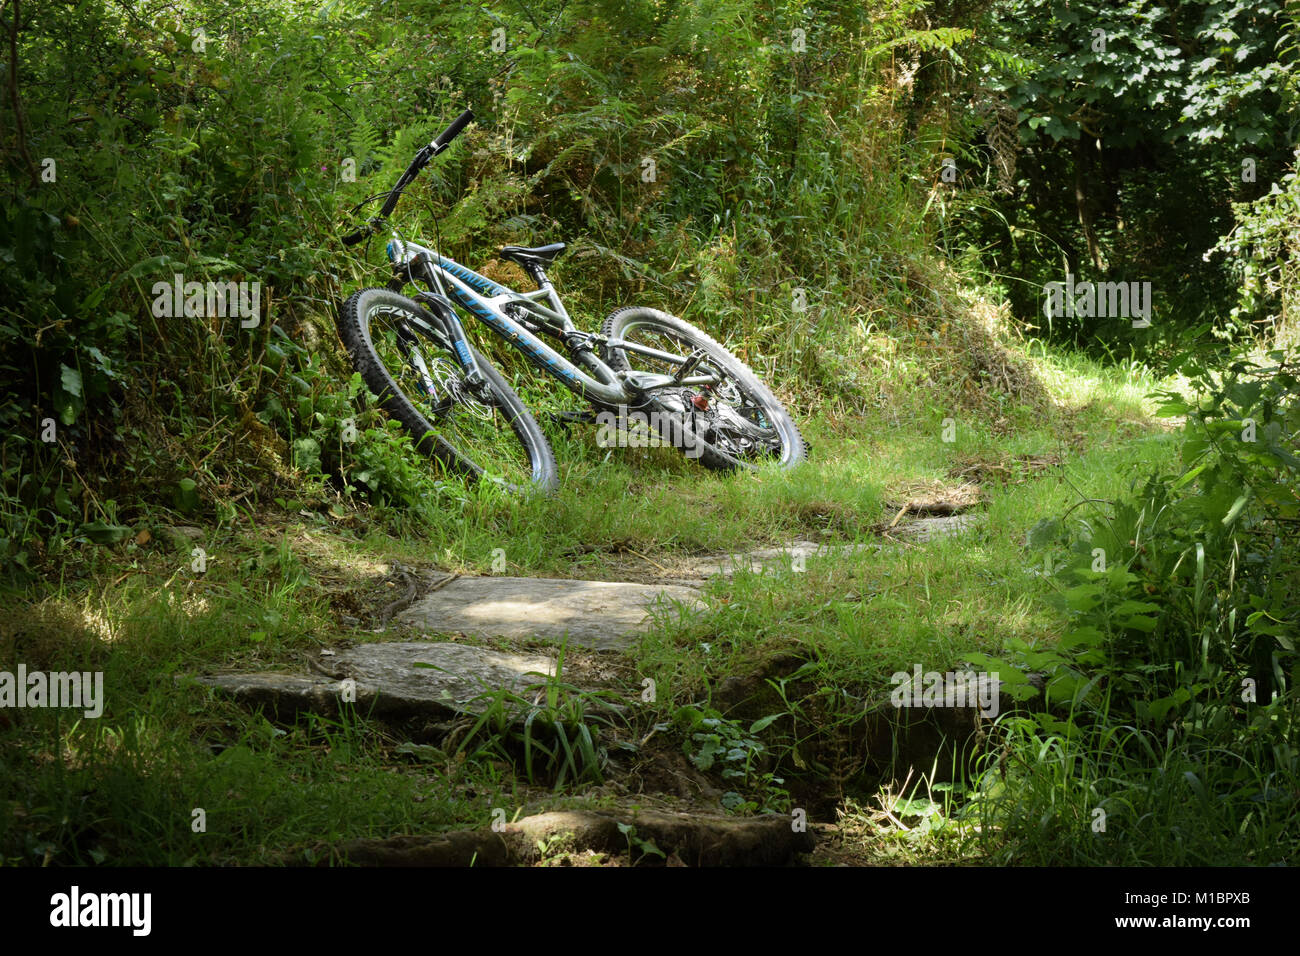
[{"x": 400, "y": 248}]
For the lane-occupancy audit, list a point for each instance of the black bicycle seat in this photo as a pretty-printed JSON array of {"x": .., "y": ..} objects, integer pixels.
[{"x": 536, "y": 255}]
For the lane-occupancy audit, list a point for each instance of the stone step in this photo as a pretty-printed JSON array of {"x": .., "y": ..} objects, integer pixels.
[
  {"x": 392, "y": 680},
  {"x": 787, "y": 558},
  {"x": 798, "y": 552},
  {"x": 681, "y": 839},
  {"x": 928, "y": 529},
  {"x": 598, "y": 615}
]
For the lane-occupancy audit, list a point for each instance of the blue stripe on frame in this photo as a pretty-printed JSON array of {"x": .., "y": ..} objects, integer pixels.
[
  {"x": 488, "y": 287},
  {"x": 470, "y": 277}
]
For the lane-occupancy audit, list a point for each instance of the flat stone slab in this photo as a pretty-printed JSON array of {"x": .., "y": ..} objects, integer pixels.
[
  {"x": 601, "y": 615},
  {"x": 389, "y": 681},
  {"x": 762, "y": 559},
  {"x": 927, "y": 529},
  {"x": 796, "y": 554}
]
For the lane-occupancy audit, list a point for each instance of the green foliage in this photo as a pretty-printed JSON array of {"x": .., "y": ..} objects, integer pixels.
[
  {"x": 555, "y": 735},
  {"x": 1129, "y": 110},
  {"x": 1264, "y": 250},
  {"x": 1184, "y": 613},
  {"x": 1204, "y": 72},
  {"x": 718, "y": 744},
  {"x": 645, "y": 847}
]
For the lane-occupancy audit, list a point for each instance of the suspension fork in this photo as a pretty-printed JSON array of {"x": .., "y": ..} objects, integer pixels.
[
  {"x": 443, "y": 309},
  {"x": 410, "y": 346},
  {"x": 455, "y": 333}
]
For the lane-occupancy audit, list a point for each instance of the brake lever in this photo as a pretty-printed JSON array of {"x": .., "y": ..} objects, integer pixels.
[{"x": 371, "y": 227}]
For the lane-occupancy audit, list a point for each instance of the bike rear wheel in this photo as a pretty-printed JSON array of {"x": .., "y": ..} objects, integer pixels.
[
  {"x": 737, "y": 423},
  {"x": 407, "y": 361}
]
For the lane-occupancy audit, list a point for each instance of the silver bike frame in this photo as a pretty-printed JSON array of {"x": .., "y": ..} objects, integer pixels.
[{"x": 487, "y": 300}]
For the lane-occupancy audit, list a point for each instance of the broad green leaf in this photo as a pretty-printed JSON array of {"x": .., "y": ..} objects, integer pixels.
[
  {"x": 1235, "y": 510},
  {"x": 101, "y": 533},
  {"x": 763, "y": 722},
  {"x": 70, "y": 379}
]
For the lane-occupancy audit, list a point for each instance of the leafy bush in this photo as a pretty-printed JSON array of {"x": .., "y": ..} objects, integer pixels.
[{"x": 1180, "y": 655}]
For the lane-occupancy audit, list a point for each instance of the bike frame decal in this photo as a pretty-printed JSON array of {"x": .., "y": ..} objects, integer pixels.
[
  {"x": 480, "y": 283},
  {"x": 463, "y": 351}
]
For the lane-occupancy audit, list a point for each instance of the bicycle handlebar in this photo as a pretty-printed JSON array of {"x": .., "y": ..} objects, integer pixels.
[
  {"x": 443, "y": 139},
  {"x": 426, "y": 153}
]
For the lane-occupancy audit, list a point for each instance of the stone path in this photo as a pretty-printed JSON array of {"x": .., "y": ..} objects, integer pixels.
[
  {"x": 600, "y": 615},
  {"x": 392, "y": 680},
  {"x": 444, "y": 679},
  {"x": 799, "y": 552}
]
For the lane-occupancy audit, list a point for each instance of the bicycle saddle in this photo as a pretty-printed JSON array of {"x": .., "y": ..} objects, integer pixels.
[{"x": 537, "y": 255}]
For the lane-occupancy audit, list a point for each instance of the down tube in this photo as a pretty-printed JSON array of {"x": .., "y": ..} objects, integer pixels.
[{"x": 535, "y": 349}]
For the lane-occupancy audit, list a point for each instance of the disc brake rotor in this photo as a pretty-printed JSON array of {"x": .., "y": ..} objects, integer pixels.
[
  {"x": 441, "y": 380},
  {"x": 729, "y": 420},
  {"x": 452, "y": 389}
]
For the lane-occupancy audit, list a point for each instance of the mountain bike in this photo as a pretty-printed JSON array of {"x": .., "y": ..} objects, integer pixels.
[{"x": 645, "y": 368}]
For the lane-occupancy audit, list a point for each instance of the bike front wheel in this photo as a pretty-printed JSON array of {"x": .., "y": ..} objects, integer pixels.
[
  {"x": 733, "y": 422},
  {"x": 483, "y": 432}
]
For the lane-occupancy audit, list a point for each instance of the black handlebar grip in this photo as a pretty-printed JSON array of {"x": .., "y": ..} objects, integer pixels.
[
  {"x": 452, "y": 131},
  {"x": 353, "y": 238}
]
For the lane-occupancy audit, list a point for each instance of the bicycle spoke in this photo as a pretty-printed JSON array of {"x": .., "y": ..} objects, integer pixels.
[{"x": 468, "y": 420}]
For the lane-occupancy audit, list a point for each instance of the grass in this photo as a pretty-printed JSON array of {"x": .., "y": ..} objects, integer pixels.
[{"x": 124, "y": 789}]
